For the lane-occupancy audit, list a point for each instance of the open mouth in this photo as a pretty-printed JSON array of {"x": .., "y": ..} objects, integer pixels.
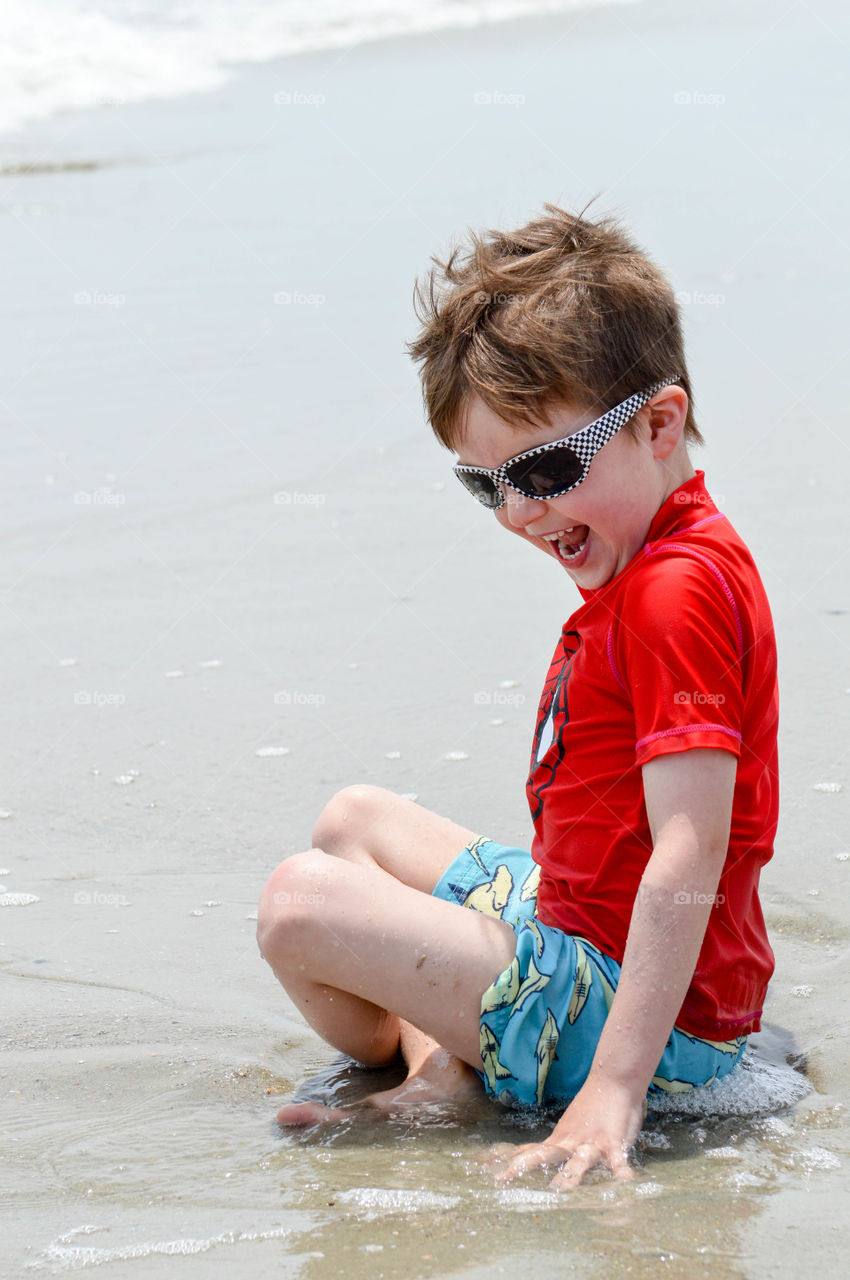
[{"x": 569, "y": 543}]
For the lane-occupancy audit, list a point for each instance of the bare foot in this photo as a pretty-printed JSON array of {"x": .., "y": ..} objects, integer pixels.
[
  {"x": 300, "y": 1115},
  {"x": 439, "y": 1079}
]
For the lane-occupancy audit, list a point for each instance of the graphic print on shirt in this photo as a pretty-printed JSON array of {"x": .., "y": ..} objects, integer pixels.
[{"x": 552, "y": 715}]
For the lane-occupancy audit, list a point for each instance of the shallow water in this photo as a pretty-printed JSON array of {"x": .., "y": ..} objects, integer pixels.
[{"x": 183, "y": 1159}]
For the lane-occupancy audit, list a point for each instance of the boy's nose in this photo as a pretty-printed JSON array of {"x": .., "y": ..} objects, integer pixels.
[{"x": 520, "y": 510}]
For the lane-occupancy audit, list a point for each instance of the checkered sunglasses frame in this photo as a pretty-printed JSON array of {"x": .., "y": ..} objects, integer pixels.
[{"x": 583, "y": 447}]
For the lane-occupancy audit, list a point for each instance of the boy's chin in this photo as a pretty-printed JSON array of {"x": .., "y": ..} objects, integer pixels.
[{"x": 590, "y": 579}]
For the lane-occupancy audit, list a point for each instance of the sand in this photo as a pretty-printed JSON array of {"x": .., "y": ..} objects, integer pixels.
[{"x": 226, "y": 529}]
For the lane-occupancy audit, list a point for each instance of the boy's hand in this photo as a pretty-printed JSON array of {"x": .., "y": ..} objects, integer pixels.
[{"x": 599, "y": 1127}]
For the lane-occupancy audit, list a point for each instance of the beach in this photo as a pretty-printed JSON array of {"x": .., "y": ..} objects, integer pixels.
[{"x": 239, "y": 575}]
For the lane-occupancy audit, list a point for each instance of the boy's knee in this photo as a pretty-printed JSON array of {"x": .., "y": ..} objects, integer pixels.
[
  {"x": 348, "y": 816},
  {"x": 289, "y": 902}
]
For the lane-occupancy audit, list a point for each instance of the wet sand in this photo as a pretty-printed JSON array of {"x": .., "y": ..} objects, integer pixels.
[{"x": 226, "y": 530}]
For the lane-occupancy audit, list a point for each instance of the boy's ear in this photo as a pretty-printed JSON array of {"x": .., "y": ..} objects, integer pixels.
[{"x": 667, "y": 415}]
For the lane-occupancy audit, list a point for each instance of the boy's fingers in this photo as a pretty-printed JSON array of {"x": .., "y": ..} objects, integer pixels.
[
  {"x": 496, "y": 1155},
  {"x": 532, "y": 1157},
  {"x": 582, "y": 1161}
]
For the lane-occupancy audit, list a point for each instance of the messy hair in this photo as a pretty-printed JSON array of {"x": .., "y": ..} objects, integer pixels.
[{"x": 563, "y": 310}]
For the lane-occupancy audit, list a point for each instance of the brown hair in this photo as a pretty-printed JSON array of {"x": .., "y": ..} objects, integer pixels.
[{"x": 561, "y": 311}]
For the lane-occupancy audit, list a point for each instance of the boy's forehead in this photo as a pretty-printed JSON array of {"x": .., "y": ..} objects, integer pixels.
[{"x": 485, "y": 439}]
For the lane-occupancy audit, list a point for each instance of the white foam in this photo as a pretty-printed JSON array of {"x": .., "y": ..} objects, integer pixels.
[
  {"x": 59, "y": 54},
  {"x": 394, "y": 1199},
  {"x": 754, "y": 1087},
  {"x": 271, "y": 751},
  {"x": 66, "y": 1255},
  {"x": 17, "y": 899},
  {"x": 816, "y": 1158}
]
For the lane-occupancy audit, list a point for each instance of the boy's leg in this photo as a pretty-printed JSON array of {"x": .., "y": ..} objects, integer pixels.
[
  {"x": 359, "y": 952},
  {"x": 375, "y": 827}
]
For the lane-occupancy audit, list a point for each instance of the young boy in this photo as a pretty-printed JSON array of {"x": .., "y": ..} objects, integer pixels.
[{"x": 627, "y": 952}]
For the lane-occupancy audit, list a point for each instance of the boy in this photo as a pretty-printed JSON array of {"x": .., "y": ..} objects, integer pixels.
[{"x": 627, "y": 952}]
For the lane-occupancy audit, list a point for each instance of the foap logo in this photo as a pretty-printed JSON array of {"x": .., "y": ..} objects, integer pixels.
[
  {"x": 685, "y": 898},
  {"x": 296, "y": 98},
  {"x": 297, "y": 698},
  {"x": 84, "y": 698},
  {"x": 297, "y": 298},
  {"x": 490, "y": 299},
  {"x": 695, "y": 298},
  {"x": 698, "y": 499},
  {"x": 497, "y": 698},
  {"x": 295, "y": 498},
  {"x": 91, "y": 298},
  {"x": 99, "y": 498},
  {"x": 696, "y": 98},
  {"x": 699, "y": 698},
  {"x": 94, "y": 898},
  {"x": 496, "y": 98}
]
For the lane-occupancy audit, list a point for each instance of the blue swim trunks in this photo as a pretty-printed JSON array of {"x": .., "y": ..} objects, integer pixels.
[{"x": 542, "y": 1017}]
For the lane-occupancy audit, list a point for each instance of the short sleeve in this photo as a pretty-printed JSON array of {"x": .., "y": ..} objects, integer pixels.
[{"x": 679, "y": 650}]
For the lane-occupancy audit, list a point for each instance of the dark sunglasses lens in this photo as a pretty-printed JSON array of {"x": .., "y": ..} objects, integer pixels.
[
  {"x": 481, "y": 487},
  {"x": 547, "y": 473}
]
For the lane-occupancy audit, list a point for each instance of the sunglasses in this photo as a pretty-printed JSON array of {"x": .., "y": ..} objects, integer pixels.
[{"x": 553, "y": 469}]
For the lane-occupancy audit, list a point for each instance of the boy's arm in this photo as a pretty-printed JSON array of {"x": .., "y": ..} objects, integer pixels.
[{"x": 689, "y": 805}]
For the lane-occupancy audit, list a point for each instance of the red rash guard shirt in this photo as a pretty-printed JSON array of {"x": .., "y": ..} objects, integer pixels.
[{"x": 675, "y": 652}]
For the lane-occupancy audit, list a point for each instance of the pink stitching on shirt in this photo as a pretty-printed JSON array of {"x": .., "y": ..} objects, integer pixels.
[
  {"x": 718, "y": 515},
  {"x": 688, "y": 728},
  {"x": 611, "y": 661}
]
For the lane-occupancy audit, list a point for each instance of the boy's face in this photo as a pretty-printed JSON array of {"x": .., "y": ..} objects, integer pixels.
[{"x": 604, "y": 521}]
